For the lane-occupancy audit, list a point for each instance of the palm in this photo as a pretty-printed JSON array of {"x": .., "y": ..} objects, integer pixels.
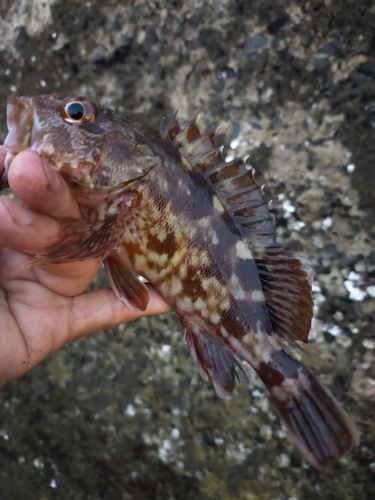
[
  {"x": 42, "y": 308},
  {"x": 36, "y": 321}
]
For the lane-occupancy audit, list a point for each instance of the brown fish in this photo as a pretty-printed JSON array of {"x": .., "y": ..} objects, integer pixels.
[{"x": 167, "y": 207}]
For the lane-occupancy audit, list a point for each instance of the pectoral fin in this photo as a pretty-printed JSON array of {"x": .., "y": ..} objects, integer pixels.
[
  {"x": 126, "y": 286},
  {"x": 80, "y": 240},
  {"x": 214, "y": 360}
]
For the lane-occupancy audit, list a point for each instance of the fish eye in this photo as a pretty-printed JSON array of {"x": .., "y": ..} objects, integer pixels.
[{"x": 77, "y": 111}]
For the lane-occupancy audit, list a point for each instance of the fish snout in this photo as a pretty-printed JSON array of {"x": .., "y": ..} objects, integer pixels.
[{"x": 22, "y": 126}]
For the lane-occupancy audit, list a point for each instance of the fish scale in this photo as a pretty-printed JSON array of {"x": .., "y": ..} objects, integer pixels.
[{"x": 166, "y": 206}]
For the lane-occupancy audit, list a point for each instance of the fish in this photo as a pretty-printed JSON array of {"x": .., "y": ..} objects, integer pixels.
[{"x": 166, "y": 207}]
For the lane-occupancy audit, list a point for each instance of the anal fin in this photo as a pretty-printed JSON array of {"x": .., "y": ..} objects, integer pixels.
[
  {"x": 126, "y": 285},
  {"x": 213, "y": 359}
]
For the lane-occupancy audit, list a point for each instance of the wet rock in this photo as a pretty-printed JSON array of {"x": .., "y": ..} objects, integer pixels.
[
  {"x": 124, "y": 414},
  {"x": 311, "y": 205},
  {"x": 333, "y": 284},
  {"x": 255, "y": 42}
]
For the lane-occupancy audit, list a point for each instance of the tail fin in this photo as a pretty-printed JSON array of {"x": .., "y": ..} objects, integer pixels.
[{"x": 317, "y": 423}]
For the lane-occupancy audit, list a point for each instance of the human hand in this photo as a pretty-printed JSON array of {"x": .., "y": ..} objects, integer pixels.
[{"x": 43, "y": 308}]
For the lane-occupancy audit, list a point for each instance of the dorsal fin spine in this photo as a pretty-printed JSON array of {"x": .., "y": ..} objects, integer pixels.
[
  {"x": 189, "y": 133},
  {"x": 170, "y": 128},
  {"x": 239, "y": 193},
  {"x": 194, "y": 149},
  {"x": 251, "y": 221},
  {"x": 211, "y": 158},
  {"x": 237, "y": 161},
  {"x": 197, "y": 147},
  {"x": 258, "y": 205}
]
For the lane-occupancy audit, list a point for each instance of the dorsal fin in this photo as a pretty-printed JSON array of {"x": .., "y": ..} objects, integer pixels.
[
  {"x": 285, "y": 276},
  {"x": 286, "y": 279},
  {"x": 169, "y": 128},
  {"x": 232, "y": 181}
]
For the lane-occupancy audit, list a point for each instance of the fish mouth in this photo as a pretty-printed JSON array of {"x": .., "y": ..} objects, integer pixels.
[{"x": 23, "y": 131}]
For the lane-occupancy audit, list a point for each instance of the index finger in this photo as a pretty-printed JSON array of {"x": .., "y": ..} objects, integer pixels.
[
  {"x": 39, "y": 187},
  {"x": 43, "y": 190}
]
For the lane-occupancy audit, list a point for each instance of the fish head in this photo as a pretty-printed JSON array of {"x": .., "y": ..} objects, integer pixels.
[{"x": 84, "y": 141}]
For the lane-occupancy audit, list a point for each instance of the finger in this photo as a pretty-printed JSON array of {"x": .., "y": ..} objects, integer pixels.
[
  {"x": 43, "y": 190},
  {"x": 28, "y": 232},
  {"x": 39, "y": 187},
  {"x": 101, "y": 310}
]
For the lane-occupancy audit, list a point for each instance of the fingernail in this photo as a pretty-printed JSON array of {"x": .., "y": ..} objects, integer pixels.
[
  {"x": 53, "y": 177},
  {"x": 20, "y": 215}
]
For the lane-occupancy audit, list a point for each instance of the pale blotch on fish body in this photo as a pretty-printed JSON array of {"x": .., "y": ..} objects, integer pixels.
[
  {"x": 243, "y": 252},
  {"x": 166, "y": 206},
  {"x": 161, "y": 235},
  {"x": 217, "y": 205}
]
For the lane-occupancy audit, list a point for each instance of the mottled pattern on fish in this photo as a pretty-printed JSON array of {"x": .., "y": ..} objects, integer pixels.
[{"x": 167, "y": 207}]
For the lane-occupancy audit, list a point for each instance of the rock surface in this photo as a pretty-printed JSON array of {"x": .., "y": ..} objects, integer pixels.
[{"x": 123, "y": 414}]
